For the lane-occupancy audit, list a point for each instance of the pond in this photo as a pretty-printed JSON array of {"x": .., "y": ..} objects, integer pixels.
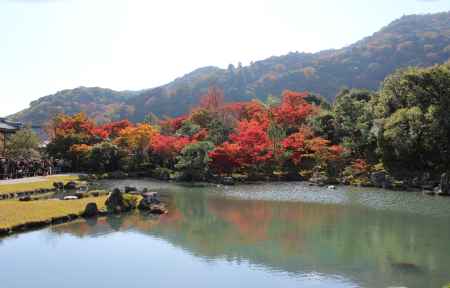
[{"x": 267, "y": 235}]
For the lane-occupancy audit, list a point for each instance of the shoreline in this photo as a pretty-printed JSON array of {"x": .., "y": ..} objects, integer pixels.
[{"x": 387, "y": 183}]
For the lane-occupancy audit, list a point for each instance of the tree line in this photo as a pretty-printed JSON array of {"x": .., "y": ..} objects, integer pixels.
[{"x": 403, "y": 129}]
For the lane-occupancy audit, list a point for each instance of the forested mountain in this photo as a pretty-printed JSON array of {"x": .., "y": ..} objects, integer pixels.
[
  {"x": 417, "y": 40},
  {"x": 101, "y": 104}
]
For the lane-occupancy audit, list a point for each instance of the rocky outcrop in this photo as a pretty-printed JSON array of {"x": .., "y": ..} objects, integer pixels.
[
  {"x": 151, "y": 203},
  {"x": 91, "y": 210},
  {"x": 118, "y": 202}
]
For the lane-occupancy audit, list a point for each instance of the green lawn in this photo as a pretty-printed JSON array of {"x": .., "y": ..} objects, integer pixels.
[
  {"x": 46, "y": 183},
  {"x": 14, "y": 212}
]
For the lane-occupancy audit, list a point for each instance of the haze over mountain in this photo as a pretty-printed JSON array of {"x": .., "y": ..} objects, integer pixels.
[{"x": 416, "y": 40}]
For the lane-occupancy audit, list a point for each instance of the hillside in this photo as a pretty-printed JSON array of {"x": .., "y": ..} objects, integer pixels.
[
  {"x": 417, "y": 40},
  {"x": 99, "y": 103}
]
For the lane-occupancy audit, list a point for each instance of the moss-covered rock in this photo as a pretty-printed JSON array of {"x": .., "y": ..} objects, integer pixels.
[{"x": 118, "y": 202}]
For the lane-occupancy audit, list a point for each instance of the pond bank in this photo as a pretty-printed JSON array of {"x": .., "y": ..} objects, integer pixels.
[
  {"x": 17, "y": 216},
  {"x": 20, "y": 216}
]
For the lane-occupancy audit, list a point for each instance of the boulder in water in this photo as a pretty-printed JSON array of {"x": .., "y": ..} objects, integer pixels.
[
  {"x": 91, "y": 210},
  {"x": 152, "y": 208},
  {"x": 151, "y": 203},
  {"x": 118, "y": 202}
]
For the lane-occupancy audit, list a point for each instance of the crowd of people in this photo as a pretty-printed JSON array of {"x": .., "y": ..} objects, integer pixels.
[{"x": 12, "y": 169}]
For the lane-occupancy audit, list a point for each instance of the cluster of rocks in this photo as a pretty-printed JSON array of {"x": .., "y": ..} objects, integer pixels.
[{"x": 119, "y": 202}]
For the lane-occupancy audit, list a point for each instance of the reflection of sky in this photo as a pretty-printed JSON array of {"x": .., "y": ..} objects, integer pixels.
[{"x": 132, "y": 260}]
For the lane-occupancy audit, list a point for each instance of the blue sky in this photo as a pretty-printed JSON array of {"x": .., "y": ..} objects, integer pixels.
[{"x": 50, "y": 45}]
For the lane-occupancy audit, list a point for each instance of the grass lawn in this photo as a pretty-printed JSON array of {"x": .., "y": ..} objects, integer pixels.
[
  {"x": 14, "y": 212},
  {"x": 47, "y": 182}
]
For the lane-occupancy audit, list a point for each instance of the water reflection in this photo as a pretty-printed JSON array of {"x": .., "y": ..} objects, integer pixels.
[{"x": 359, "y": 245}]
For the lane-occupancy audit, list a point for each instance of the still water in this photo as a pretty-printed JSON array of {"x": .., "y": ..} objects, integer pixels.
[{"x": 269, "y": 235}]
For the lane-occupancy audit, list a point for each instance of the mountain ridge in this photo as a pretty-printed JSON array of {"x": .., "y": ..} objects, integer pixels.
[{"x": 413, "y": 40}]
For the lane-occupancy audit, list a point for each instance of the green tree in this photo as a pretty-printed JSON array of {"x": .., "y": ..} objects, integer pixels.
[
  {"x": 104, "y": 156},
  {"x": 353, "y": 121},
  {"x": 188, "y": 129},
  {"x": 218, "y": 131},
  {"x": 24, "y": 144},
  {"x": 414, "y": 107},
  {"x": 323, "y": 124},
  {"x": 193, "y": 161}
]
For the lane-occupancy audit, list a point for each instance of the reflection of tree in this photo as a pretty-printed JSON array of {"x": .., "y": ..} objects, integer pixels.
[
  {"x": 367, "y": 245},
  {"x": 288, "y": 224}
]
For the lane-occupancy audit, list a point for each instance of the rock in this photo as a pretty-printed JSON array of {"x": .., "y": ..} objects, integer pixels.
[
  {"x": 91, "y": 210},
  {"x": 25, "y": 198},
  {"x": 151, "y": 197},
  {"x": 58, "y": 185},
  {"x": 70, "y": 185},
  {"x": 150, "y": 202},
  {"x": 152, "y": 208},
  {"x": 117, "y": 202},
  {"x": 70, "y": 198},
  {"x": 158, "y": 209},
  {"x": 114, "y": 202},
  {"x": 444, "y": 184},
  {"x": 229, "y": 181},
  {"x": 380, "y": 179},
  {"x": 129, "y": 189}
]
